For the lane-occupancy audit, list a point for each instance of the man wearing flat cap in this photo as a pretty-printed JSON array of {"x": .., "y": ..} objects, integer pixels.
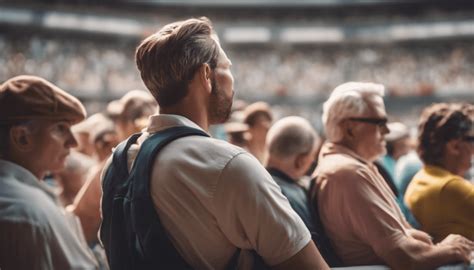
[{"x": 35, "y": 136}]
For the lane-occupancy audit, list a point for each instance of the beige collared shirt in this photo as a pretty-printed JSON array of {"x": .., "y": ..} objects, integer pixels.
[
  {"x": 357, "y": 208},
  {"x": 213, "y": 197}
]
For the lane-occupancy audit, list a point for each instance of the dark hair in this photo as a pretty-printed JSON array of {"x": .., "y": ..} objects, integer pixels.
[
  {"x": 4, "y": 139},
  {"x": 439, "y": 124},
  {"x": 168, "y": 59},
  {"x": 390, "y": 146}
]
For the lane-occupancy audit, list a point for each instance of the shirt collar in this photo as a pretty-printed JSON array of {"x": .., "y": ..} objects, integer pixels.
[
  {"x": 160, "y": 122},
  {"x": 334, "y": 148},
  {"x": 22, "y": 175},
  {"x": 278, "y": 173},
  {"x": 438, "y": 171},
  {"x": 163, "y": 121}
]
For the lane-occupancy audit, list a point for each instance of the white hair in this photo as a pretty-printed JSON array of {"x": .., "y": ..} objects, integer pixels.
[
  {"x": 347, "y": 100},
  {"x": 290, "y": 136}
]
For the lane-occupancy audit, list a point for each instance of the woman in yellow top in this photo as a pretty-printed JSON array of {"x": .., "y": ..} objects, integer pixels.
[{"x": 438, "y": 196}]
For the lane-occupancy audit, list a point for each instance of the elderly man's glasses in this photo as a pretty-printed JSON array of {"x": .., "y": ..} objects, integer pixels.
[
  {"x": 468, "y": 138},
  {"x": 381, "y": 122}
]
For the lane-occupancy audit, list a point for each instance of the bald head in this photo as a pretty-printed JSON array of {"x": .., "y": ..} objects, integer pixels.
[{"x": 291, "y": 136}]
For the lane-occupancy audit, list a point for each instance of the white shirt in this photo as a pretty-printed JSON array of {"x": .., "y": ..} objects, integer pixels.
[
  {"x": 34, "y": 231},
  {"x": 213, "y": 197}
]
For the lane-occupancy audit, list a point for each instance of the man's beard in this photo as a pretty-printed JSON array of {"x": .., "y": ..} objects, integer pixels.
[{"x": 219, "y": 105}]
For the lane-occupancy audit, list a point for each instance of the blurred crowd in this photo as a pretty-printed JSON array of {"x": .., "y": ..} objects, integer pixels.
[{"x": 98, "y": 68}]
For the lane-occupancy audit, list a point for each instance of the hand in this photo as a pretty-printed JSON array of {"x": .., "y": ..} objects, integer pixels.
[
  {"x": 460, "y": 245},
  {"x": 420, "y": 235}
]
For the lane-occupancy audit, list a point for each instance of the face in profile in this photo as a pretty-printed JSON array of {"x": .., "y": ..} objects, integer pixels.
[
  {"x": 54, "y": 140},
  {"x": 222, "y": 93},
  {"x": 370, "y": 136},
  {"x": 465, "y": 152}
]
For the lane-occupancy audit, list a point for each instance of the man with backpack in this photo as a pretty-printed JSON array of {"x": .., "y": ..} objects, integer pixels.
[{"x": 176, "y": 198}]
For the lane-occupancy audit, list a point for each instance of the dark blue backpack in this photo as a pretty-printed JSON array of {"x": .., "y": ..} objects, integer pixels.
[{"x": 131, "y": 231}]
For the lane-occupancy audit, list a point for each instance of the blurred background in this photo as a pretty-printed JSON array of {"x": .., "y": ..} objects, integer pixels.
[{"x": 289, "y": 53}]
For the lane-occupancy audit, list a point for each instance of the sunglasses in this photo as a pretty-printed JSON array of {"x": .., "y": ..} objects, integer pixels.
[
  {"x": 468, "y": 138},
  {"x": 381, "y": 122}
]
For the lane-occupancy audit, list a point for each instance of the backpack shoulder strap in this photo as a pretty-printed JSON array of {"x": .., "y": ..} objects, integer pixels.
[
  {"x": 143, "y": 164},
  {"x": 144, "y": 219},
  {"x": 156, "y": 142},
  {"x": 114, "y": 184},
  {"x": 118, "y": 168}
]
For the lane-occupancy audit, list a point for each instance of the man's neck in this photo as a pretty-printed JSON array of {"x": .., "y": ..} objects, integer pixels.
[
  {"x": 191, "y": 111},
  {"x": 451, "y": 164},
  {"x": 283, "y": 166},
  {"x": 353, "y": 147},
  {"x": 23, "y": 162}
]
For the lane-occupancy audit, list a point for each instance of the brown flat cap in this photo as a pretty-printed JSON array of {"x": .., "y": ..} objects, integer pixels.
[{"x": 30, "y": 97}]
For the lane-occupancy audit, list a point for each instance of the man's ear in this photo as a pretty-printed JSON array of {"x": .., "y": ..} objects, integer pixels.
[
  {"x": 453, "y": 147},
  {"x": 205, "y": 74},
  {"x": 21, "y": 138},
  {"x": 301, "y": 160},
  {"x": 347, "y": 128}
]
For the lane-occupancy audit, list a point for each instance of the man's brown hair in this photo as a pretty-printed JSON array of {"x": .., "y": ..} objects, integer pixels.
[
  {"x": 168, "y": 59},
  {"x": 440, "y": 123}
]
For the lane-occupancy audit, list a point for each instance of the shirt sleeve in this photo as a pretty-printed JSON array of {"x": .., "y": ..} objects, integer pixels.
[
  {"x": 370, "y": 215},
  {"x": 253, "y": 213}
]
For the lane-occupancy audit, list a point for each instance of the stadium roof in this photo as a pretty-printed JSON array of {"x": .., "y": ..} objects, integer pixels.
[{"x": 283, "y": 33}]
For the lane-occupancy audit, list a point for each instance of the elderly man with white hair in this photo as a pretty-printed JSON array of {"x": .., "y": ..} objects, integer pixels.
[{"x": 356, "y": 206}]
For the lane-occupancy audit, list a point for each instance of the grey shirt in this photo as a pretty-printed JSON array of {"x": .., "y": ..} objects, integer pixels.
[{"x": 35, "y": 233}]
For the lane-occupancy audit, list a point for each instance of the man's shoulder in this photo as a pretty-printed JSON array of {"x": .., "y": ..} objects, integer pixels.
[
  {"x": 30, "y": 208},
  {"x": 340, "y": 166},
  {"x": 205, "y": 146},
  {"x": 457, "y": 186}
]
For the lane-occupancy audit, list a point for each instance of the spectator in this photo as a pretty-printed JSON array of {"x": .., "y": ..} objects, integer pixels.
[
  {"x": 237, "y": 134},
  {"x": 129, "y": 115},
  {"x": 81, "y": 132},
  {"x": 211, "y": 197},
  {"x": 72, "y": 177},
  {"x": 399, "y": 144},
  {"x": 439, "y": 196},
  {"x": 86, "y": 206},
  {"x": 103, "y": 136},
  {"x": 407, "y": 166},
  {"x": 35, "y": 121},
  {"x": 90, "y": 131},
  {"x": 258, "y": 117},
  {"x": 356, "y": 206},
  {"x": 131, "y": 112},
  {"x": 292, "y": 144}
]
